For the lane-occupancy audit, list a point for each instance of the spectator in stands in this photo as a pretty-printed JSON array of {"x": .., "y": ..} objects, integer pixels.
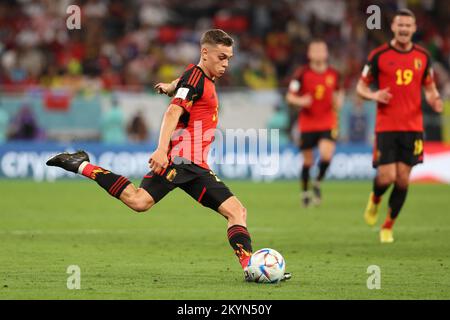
[
  {"x": 261, "y": 75},
  {"x": 137, "y": 129},
  {"x": 24, "y": 125},
  {"x": 134, "y": 44},
  {"x": 280, "y": 121},
  {"x": 4, "y": 120},
  {"x": 113, "y": 125},
  {"x": 119, "y": 43},
  {"x": 358, "y": 122}
]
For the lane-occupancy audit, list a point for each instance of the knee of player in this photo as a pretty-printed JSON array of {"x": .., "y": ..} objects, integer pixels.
[
  {"x": 142, "y": 206},
  {"x": 237, "y": 213},
  {"x": 387, "y": 179},
  {"x": 325, "y": 161},
  {"x": 307, "y": 164},
  {"x": 402, "y": 182}
]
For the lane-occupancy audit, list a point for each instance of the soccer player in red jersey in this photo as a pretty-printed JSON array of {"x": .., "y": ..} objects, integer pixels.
[
  {"x": 186, "y": 133},
  {"x": 314, "y": 90},
  {"x": 399, "y": 70}
]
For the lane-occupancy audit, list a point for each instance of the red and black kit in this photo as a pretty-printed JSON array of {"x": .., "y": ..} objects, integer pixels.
[
  {"x": 190, "y": 144},
  {"x": 399, "y": 123}
]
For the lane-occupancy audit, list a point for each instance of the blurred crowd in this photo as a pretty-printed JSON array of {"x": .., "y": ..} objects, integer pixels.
[
  {"x": 134, "y": 44},
  {"x": 138, "y": 43}
]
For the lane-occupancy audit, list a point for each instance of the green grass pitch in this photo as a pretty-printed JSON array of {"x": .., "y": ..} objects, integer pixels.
[{"x": 179, "y": 250}]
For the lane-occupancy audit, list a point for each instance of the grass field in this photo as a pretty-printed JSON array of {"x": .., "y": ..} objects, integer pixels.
[{"x": 179, "y": 249}]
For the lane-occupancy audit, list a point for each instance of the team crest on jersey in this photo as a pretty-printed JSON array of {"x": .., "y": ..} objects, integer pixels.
[
  {"x": 418, "y": 147},
  {"x": 171, "y": 175},
  {"x": 329, "y": 81},
  {"x": 417, "y": 64},
  {"x": 335, "y": 133}
]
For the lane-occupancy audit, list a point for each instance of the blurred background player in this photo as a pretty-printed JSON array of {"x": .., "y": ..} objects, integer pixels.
[
  {"x": 399, "y": 69},
  {"x": 315, "y": 91}
]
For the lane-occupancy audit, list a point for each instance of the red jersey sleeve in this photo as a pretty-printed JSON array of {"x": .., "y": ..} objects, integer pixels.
[
  {"x": 369, "y": 69},
  {"x": 428, "y": 76},
  {"x": 189, "y": 89}
]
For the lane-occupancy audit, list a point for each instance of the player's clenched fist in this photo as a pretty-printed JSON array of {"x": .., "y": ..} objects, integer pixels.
[
  {"x": 158, "y": 161},
  {"x": 383, "y": 95},
  {"x": 164, "y": 88},
  {"x": 306, "y": 100}
]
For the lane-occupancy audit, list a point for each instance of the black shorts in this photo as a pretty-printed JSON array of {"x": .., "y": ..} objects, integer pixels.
[
  {"x": 310, "y": 140},
  {"x": 398, "y": 146},
  {"x": 201, "y": 184}
]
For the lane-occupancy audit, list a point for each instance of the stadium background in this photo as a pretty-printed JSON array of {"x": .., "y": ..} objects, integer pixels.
[{"x": 62, "y": 87}]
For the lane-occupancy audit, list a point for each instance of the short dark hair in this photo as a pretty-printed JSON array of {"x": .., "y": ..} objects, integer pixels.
[
  {"x": 317, "y": 40},
  {"x": 215, "y": 37},
  {"x": 405, "y": 13}
]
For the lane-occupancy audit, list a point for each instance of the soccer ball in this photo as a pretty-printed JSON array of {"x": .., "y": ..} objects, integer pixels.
[{"x": 265, "y": 266}]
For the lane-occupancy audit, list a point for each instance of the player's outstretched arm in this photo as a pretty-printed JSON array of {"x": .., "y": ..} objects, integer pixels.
[
  {"x": 382, "y": 95},
  {"x": 167, "y": 88},
  {"x": 433, "y": 97},
  {"x": 298, "y": 102},
  {"x": 158, "y": 160},
  {"x": 338, "y": 99}
]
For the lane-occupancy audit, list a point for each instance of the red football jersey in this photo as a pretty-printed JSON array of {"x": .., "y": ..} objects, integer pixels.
[
  {"x": 404, "y": 73},
  {"x": 320, "y": 116},
  {"x": 196, "y": 94}
]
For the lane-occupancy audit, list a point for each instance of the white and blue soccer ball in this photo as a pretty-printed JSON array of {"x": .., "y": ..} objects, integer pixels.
[{"x": 265, "y": 266}]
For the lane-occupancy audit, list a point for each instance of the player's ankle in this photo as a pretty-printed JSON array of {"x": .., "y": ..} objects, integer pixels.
[
  {"x": 244, "y": 261},
  {"x": 376, "y": 199},
  {"x": 84, "y": 167},
  {"x": 388, "y": 224}
]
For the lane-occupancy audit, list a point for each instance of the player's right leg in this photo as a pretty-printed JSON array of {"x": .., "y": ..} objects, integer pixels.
[
  {"x": 327, "y": 147},
  {"x": 116, "y": 185},
  {"x": 384, "y": 159},
  {"x": 386, "y": 175}
]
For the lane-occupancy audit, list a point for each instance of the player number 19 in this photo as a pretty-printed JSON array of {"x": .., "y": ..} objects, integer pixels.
[{"x": 404, "y": 77}]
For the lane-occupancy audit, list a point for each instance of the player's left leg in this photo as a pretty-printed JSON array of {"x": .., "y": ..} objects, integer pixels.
[
  {"x": 238, "y": 235},
  {"x": 207, "y": 189},
  {"x": 211, "y": 192},
  {"x": 396, "y": 200},
  {"x": 308, "y": 161},
  {"x": 326, "y": 151},
  {"x": 308, "y": 141}
]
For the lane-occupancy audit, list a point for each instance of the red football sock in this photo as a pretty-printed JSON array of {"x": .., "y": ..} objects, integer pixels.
[
  {"x": 88, "y": 169},
  {"x": 376, "y": 199},
  {"x": 389, "y": 222},
  {"x": 240, "y": 241},
  {"x": 244, "y": 260},
  {"x": 114, "y": 184}
]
